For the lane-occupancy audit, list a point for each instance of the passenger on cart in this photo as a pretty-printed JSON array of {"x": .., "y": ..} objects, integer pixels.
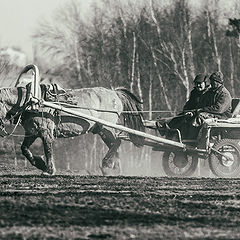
[
  {"x": 219, "y": 98},
  {"x": 205, "y": 101},
  {"x": 220, "y": 106}
]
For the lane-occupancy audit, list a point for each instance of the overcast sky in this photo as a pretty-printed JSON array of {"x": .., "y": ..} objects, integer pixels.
[{"x": 19, "y": 18}]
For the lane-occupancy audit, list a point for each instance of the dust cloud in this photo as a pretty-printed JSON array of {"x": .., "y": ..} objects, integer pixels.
[{"x": 84, "y": 154}]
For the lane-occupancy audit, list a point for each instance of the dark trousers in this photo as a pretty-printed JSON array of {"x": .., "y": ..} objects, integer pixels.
[{"x": 184, "y": 125}]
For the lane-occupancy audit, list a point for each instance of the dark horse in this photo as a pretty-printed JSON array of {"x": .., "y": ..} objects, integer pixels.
[{"x": 118, "y": 106}]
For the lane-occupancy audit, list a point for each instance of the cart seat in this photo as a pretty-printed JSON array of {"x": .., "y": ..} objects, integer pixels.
[{"x": 218, "y": 122}]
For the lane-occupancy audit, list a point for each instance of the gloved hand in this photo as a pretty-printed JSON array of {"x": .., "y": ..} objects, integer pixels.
[
  {"x": 189, "y": 114},
  {"x": 199, "y": 110}
]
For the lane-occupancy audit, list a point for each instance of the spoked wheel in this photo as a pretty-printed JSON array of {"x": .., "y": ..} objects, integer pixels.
[
  {"x": 227, "y": 163},
  {"x": 179, "y": 164}
]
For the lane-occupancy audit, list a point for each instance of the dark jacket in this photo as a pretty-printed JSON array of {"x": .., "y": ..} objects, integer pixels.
[
  {"x": 197, "y": 100},
  {"x": 220, "y": 102}
]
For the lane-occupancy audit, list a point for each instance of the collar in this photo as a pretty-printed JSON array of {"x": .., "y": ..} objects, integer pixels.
[
  {"x": 218, "y": 89},
  {"x": 203, "y": 91}
]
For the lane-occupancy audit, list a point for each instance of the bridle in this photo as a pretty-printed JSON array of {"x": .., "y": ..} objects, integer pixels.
[{"x": 3, "y": 123}]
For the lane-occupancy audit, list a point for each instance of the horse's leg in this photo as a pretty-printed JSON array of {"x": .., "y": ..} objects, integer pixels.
[
  {"x": 111, "y": 161},
  {"x": 36, "y": 161},
  {"x": 47, "y": 140}
]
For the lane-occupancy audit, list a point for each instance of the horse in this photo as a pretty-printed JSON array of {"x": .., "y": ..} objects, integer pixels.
[{"x": 118, "y": 106}]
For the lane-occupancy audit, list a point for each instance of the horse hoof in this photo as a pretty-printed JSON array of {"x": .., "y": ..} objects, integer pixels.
[
  {"x": 54, "y": 170},
  {"x": 109, "y": 171},
  {"x": 49, "y": 172},
  {"x": 117, "y": 167},
  {"x": 46, "y": 174}
]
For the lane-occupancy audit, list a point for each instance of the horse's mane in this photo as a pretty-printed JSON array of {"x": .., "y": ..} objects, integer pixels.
[
  {"x": 5, "y": 93},
  {"x": 132, "y": 113}
]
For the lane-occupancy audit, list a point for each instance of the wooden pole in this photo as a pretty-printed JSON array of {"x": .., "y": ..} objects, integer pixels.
[{"x": 112, "y": 125}]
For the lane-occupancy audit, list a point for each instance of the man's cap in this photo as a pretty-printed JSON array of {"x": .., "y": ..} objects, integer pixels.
[
  {"x": 217, "y": 77},
  {"x": 201, "y": 78}
]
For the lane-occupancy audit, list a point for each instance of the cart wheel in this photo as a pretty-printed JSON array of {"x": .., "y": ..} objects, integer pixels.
[
  {"x": 179, "y": 164},
  {"x": 225, "y": 167}
]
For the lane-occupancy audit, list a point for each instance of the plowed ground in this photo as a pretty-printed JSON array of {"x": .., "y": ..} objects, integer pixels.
[{"x": 96, "y": 207}]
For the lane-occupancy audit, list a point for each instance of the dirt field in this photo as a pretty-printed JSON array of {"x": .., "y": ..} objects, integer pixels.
[{"x": 95, "y": 207}]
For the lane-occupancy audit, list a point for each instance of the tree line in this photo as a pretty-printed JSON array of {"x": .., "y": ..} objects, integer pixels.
[{"x": 153, "y": 49}]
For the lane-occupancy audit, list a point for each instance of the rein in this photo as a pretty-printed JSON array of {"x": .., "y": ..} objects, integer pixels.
[
  {"x": 108, "y": 111},
  {"x": 17, "y": 111},
  {"x": 85, "y": 108},
  {"x": 3, "y": 129}
]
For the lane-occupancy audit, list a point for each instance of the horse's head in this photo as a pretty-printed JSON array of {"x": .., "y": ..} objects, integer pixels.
[{"x": 8, "y": 98}]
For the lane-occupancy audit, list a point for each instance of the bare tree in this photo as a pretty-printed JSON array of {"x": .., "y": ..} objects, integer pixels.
[
  {"x": 213, "y": 41},
  {"x": 62, "y": 41},
  {"x": 234, "y": 34}
]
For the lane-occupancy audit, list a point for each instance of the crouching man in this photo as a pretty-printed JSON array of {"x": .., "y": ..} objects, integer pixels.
[{"x": 183, "y": 122}]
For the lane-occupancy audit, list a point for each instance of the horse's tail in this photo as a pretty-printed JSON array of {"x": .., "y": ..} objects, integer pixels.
[{"x": 132, "y": 114}]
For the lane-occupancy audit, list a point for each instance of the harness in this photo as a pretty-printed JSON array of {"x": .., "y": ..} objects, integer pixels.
[
  {"x": 22, "y": 102},
  {"x": 14, "y": 114}
]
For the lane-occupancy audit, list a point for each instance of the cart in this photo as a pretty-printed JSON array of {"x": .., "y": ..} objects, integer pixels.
[{"x": 218, "y": 142}]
